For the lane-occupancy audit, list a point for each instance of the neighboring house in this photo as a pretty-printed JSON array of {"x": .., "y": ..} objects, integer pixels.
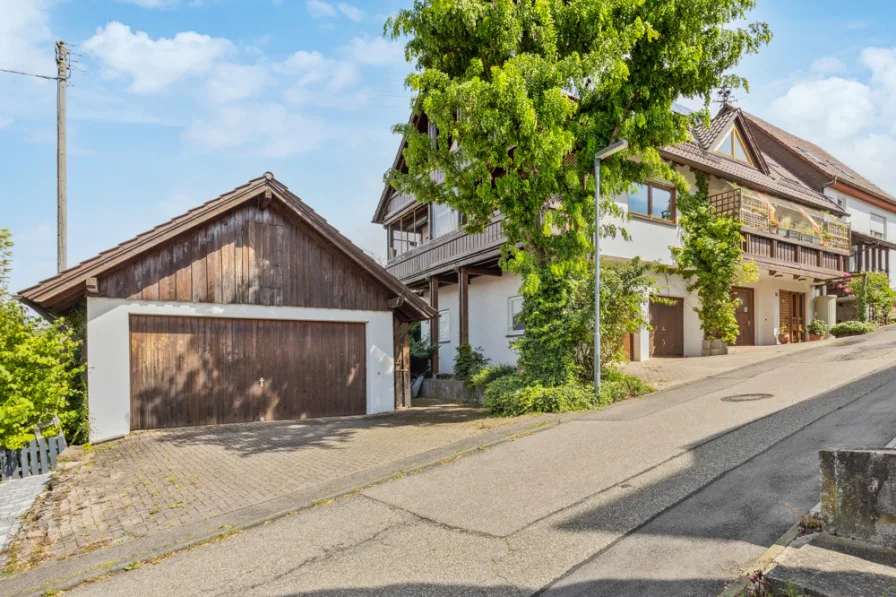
[
  {"x": 872, "y": 211},
  {"x": 795, "y": 233},
  {"x": 250, "y": 307}
]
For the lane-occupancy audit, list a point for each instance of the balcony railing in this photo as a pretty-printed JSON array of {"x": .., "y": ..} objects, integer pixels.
[
  {"x": 782, "y": 219},
  {"x": 785, "y": 235}
]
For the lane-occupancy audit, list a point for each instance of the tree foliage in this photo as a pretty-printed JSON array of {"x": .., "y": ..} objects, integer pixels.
[
  {"x": 558, "y": 346},
  {"x": 874, "y": 296},
  {"x": 524, "y": 92},
  {"x": 710, "y": 257},
  {"x": 39, "y": 366}
]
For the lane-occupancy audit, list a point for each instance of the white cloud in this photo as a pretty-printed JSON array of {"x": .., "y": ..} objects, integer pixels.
[
  {"x": 315, "y": 73},
  {"x": 352, "y": 12},
  {"x": 267, "y": 130},
  {"x": 5, "y": 122},
  {"x": 25, "y": 37},
  {"x": 376, "y": 52},
  {"x": 151, "y": 4},
  {"x": 230, "y": 82},
  {"x": 829, "y": 109},
  {"x": 318, "y": 9},
  {"x": 828, "y": 65},
  {"x": 152, "y": 64}
]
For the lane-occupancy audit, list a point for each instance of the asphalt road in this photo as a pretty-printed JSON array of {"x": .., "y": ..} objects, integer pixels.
[{"x": 669, "y": 495}]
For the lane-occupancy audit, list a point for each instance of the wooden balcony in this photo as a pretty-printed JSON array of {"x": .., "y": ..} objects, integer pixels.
[
  {"x": 784, "y": 250},
  {"x": 447, "y": 253}
]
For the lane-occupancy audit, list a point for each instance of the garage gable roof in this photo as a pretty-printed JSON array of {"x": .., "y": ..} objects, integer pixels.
[{"x": 66, "y": 286}]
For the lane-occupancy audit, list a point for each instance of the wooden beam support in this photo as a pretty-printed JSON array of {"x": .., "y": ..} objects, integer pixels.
[
  {"x": 395, "y": 302},
  {"x": 265, "y": 200},
  {"x": 93, "y": 286},
  {"x": 463, "y": 279},
  {"x": 484, "y": 271},
  {"x": 434, "y": 322}
]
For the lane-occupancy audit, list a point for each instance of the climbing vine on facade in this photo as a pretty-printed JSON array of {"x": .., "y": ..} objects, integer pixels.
[{"x": 710, "y": 259}]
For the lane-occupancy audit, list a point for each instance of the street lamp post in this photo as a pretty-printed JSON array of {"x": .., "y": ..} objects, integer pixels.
[{"x": 602, "y": 154}]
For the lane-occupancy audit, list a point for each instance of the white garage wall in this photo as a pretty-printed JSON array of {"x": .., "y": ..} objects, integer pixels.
[{"x": 108, "y": 352}]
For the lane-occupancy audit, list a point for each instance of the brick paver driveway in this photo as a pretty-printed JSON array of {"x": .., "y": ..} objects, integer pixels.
[{"x": 156, "y": 480}]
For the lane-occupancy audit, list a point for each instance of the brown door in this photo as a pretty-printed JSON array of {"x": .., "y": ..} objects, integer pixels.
[
  {"x": 785, "y": 302},
  {"x": 667, "y": 335},
  {"x": 189, "y": 371},
  {"x": 744, "y": 314},
  {"x": 798, "y": 321}
]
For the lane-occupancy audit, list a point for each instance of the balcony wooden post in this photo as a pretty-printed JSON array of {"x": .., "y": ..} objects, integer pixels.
[
  {"x": 463, "y": 294},
  {"x": 434, "y": 322},
  {"x": 798, "y": 253},
  {"x": 773, "y": 249}
]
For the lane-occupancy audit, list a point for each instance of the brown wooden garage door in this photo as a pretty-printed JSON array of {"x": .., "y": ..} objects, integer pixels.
[
  {"x": 667, "y": 335},
  {"x": 203, "y": 371}
]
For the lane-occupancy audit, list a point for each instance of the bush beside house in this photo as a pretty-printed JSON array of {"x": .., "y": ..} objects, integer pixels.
[
  {"x": 852, "y": 328},
  {"x": 40, "y": 369}
]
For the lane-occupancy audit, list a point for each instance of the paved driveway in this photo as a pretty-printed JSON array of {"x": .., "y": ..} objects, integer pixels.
[{"x": 157, "y": 480}]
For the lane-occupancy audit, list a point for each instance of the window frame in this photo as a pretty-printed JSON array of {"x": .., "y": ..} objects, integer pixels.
[
  {"x": 411, "y": 230},
  {"x": 447, "y": 313},
  {"x": 871, "y": 221},
  {"x": 648, "y": 216},
  {"x": 735, "y": 136},
  {"x": 510, "y": 324}
]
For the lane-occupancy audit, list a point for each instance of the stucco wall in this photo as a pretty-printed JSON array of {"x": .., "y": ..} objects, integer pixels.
[
  {"x": 489, "y": 318},
  {"x": 860, "y": 220},
  {"x": 108, "y": 351}
]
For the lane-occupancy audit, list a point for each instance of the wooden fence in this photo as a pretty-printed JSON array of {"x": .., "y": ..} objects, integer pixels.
[{"x": 35, "y": 458}]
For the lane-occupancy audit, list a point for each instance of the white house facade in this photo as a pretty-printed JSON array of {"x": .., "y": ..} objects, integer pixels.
[{"x": 796, "y": 233}]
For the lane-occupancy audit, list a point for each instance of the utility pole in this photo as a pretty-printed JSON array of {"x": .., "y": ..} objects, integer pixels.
[
  {"x": 601, "y": 155},
  {"x": 62, "y": 66}
]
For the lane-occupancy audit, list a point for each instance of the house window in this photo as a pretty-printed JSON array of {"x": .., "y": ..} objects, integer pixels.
[
  {"x": 514, "y": 309},
  {"x": 733, "y": 146},
  {"x": 408, "y": 232},
  {"x": 878, "y": 226},
  {"x": 445, "y": 219},
  {"x": 444, "y": 326},
  {"x": 653, "y": 201}
]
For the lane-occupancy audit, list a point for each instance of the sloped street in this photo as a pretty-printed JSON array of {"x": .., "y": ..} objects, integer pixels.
[{"x": 672, "y": 494}]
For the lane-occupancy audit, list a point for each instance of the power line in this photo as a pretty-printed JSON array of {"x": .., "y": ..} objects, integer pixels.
[{"x": 17, "y": 72}]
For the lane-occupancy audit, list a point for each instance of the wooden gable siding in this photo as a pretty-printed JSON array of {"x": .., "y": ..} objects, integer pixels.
[{"x": 248, "y": 256}]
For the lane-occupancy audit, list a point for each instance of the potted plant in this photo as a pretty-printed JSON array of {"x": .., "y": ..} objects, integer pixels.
[
  {"x": 784, "y": 226},
  {"x": 783, "y": 336},
  {"x": 817, "y": 330}
]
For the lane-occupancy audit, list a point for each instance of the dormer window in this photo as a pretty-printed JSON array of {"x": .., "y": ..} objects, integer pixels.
[{"x": 733, "y": 146}]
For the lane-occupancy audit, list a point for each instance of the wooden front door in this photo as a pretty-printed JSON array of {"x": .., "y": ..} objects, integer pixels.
[
  {"x": 793, "y": 314},
  {"x": 667, "y": 333},
  {"x": 188, "y": 371},
  {"x": 745, "y": 317}
]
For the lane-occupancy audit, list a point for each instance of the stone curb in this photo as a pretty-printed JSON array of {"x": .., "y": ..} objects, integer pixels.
[{"x": 68, "y": 573}]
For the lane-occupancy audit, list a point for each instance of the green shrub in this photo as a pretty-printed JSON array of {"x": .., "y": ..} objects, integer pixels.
[
  {"x": 818, "y": 327},
  {"x": 510, "y": 395},
  {"x": 468, "y": 362},
  {"x": 487, "y": 375},
  {"x": 852, "y": 328},
  {"x": 39, "y": 367}
]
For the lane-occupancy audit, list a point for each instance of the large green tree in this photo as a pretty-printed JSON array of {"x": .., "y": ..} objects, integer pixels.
[{"x": 524, "y": 92}]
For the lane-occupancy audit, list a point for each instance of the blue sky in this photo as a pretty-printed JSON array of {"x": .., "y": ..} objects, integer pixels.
[{"x": 181, "y": 100}]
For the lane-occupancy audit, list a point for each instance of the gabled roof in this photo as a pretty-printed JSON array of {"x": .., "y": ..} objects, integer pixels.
[
  {"x": 72, "y": 282},
  {"x": 397, "y": 164},
  {"x": 727, "y": 119},
  {"x": 768, "y": 175},
  {"x": 820, "y": 159}
]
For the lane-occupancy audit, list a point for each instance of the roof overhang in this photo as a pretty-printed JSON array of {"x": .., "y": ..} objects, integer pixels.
[{"x": 57, "y": 293}]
